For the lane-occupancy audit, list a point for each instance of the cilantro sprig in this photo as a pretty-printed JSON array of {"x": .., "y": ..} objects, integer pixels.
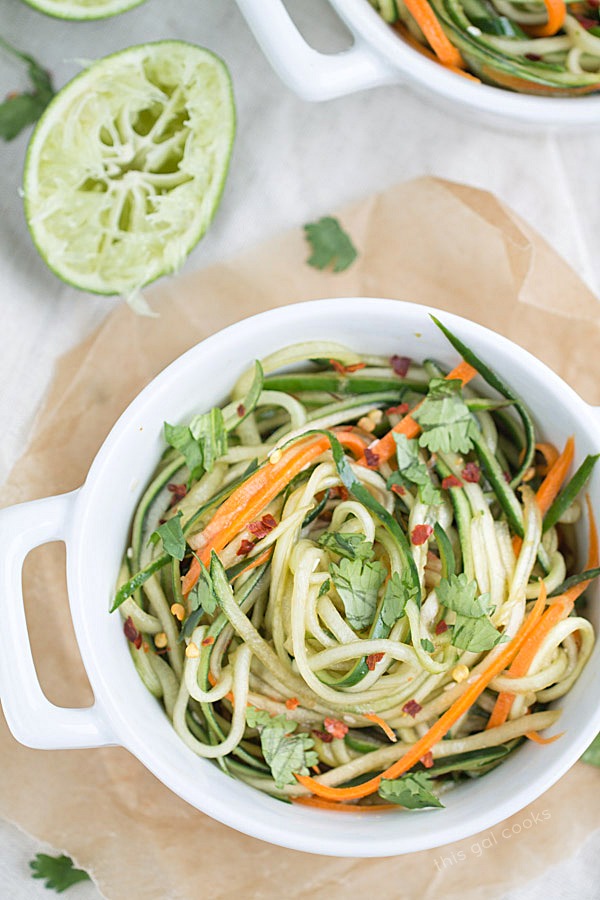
[
  {"x": 330, "y": 244},
  {"x": 347, "y": 545},
  {"x": 412, "y": 791},
  {"x": 286, "y": 753},
  {"x": 412, "y": 471},
  {"x": 472, "y": 629},
  {"x": 172, "y": 537},
  {"x": 358, "y": 581},
  {"x": 58, "y": 872},
  {"x": 22, "y": 109},
  {"x": 445, "y": 418}
]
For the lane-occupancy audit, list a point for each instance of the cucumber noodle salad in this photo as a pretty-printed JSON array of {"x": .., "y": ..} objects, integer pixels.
[
  {"x": 354, "y": 584},
  {"x": 549, "y": 47}
]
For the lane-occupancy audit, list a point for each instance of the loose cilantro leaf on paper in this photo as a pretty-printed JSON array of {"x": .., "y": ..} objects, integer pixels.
[
  {"x": 592, "y": 754},
  {"x": 413, "y": 471},
  {"x": 171, "y": 535},
  {"x": 412, "y": 791},
  {"x": 287, "y": 754},
  {"x": 22, "y": 109},
  {"x": 394, "y": 600},
  {"x": 209, "y": 430},
  {"x": 445, "y": 418},
  {"x": 181, "y": 438},
  {"x": 350, "y": 546},
  {"x": 331, "y": 246},
  {"x": 357, "y": 582},
  {"x": 58, "y": 872},
  {"x": 472, "y": 629}
]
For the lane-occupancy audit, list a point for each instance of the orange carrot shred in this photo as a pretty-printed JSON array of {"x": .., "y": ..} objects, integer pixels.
[
  {"x": 538, "y": 739},
  {"x": 429, "y": 24},
  {"x": 373, "y": 717},
  {"x": 557, "y": 12}
]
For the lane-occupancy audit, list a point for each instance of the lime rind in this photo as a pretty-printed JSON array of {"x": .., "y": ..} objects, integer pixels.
[
  {"x": 126, "y": 167},
  {"x": 83, "y": 10}
]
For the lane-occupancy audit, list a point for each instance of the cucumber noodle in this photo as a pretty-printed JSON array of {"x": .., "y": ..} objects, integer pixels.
[
  {"x": 493, "y": 40},
  {"x": 284, "y": 637}
]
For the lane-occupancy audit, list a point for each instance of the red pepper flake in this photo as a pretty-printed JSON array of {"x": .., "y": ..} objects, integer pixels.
[
  {"x": 372, "y": 458},
  {"x": 471, "y": 473},
  {"x": 412, "y": 708},
  {"x": 292, "y": 702},
  {"x": 323, "y": 736},
  {"x": 534, "y": 57},
  {"x": 335, "y": 728},
  {"x": 373, "y": 659},
  {"x": 506, "y": 477},
  {"x": 208, "y": 641},
  {"x": 451, "y": 481},
  {"x": 178, "y": 490},
  {"x": 261, "y": 529},
  {"x": 441, "y": 627},
  {"x": 421, "y": 534},
  {"x": 399, "y": 410},
  {"x": 427, "y": 760},
  {"x": 400, "y": 364},
  {"x": 586, "y": 22},
  {"x": 241, "y": 410},
  {"x": 339, "y": 491},
  {"x": 146, "y": 647},
  {"x": 341, "y": 369},
  {"x": 244, "y": 548},
  {"x": 326, "y": 515},
  {"x": 131, "y": 633},
  {"x": 398, "y": 489}
]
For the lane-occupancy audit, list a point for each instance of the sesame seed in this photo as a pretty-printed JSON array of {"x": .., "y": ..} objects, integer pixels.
[
  {"x": 459, "y": 673},
  {"x": 275, "y": 457},
  {"x": 366, "y": 424},
  {"x": 474, "y": 30},
  {"x": 192, "y": 650},
  {"x": 160, "y": 640}
]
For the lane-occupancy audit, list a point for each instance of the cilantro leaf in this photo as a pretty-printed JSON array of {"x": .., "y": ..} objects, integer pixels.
[
  {"x": 350, "y": 546},
  {"x": 287, "y": 754},
  {"x": 472, "y": 629},
  {"x": 394, "y": 600},
  {"x": 475, "y": 635},
  {"x": 412, "y": 791},
  {"x": 330, "y": 245},
  {"x": 445, "y": 418},
  {"x": 592, "y": 754},
  {"x": 427, "y": 645},
  {"x": 171, "y": 535},
  {"x": 20, "y": 110},
  {"x": 181, "y": 438},
  {"x": 413, "y": 470},
  {"x": 58, "y": 871},
  {"x": 459, "y": 594},
  {"x": 357, "y": 581},
  {"x": 209, "y": 430}
]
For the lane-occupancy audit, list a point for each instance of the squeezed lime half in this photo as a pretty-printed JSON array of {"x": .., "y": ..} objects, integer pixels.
[
  {"x": 83, "y": 9},
  {"x": 126, "y": 167}
]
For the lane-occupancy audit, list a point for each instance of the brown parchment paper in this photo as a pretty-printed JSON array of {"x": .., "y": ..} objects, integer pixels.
[{"x": 426, "y": 241}]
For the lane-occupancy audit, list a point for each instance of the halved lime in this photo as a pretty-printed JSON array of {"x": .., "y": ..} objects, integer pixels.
[
  {"x": 126, "y": 167},
  {"x": 83, "y": 9}
]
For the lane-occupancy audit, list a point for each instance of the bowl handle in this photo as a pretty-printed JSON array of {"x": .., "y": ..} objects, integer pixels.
[
  {"x": 32, "y": 718},
  {"x": 311, "y": 74}
]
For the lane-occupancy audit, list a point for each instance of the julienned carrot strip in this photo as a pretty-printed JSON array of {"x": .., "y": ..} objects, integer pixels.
[
  {"x": 441, "y": 727},
  {"x": 342, "y": 807},
  {"x": 425, "y": 51},
  {"x": 556, "y": 612},
  {"x": 551, "y": 485},
  {"x": 251, "y": 497},
  {"x": 550, "y": 454},
  {"x": 384, "y": 448},
  {"x": 429, "y": 24},
  {"x": 538, "y": 739},
  {"x": 377, "y": 720},
  {"x": 557, "y": 12},
  {"x": 256, "y": 561},
  {"x": 553, "y": 481}
]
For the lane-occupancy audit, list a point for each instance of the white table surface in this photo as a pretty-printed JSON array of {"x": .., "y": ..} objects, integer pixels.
[{"x": 292, "y": 162}]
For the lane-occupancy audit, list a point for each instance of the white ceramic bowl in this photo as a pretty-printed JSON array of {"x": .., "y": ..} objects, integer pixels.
[
  {"x": 94, "y": 523},
  {"x": 379, "y": 56}
]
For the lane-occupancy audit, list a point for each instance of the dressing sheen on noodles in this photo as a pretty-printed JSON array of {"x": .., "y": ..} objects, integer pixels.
[{"x": 348, "y": 585}]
